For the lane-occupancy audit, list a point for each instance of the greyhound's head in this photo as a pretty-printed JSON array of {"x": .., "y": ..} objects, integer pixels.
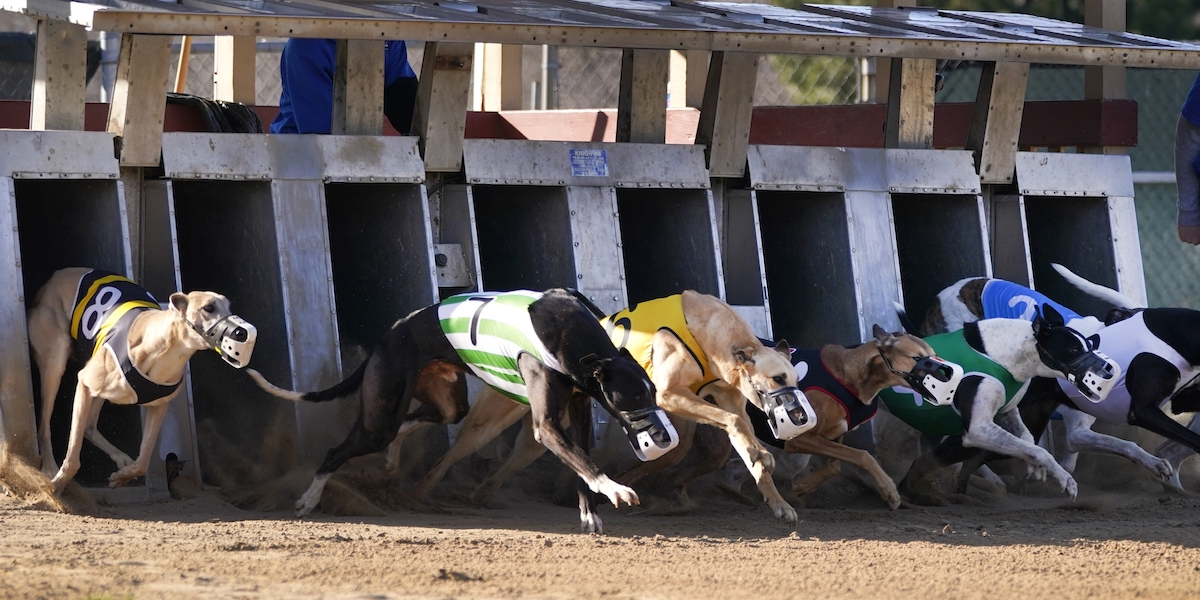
[
  {"x": 628, "y": 394},
  {"x": 210, "y": 324},
  {"x": 914, "y": 364},
  {"x": 768, "y": 379},
  {"x": 1072, "y": 356}
]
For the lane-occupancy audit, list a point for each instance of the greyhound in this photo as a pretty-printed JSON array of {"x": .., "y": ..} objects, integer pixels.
[
  {"x": 842, "y": 383},
  {"x": 533, "y": 348},
  {"x": 693, "y": 345},
  {"x": 973, "y": 299},
  {"x": 132, "y": 352},
  {"x": 1001, "y": 356}
]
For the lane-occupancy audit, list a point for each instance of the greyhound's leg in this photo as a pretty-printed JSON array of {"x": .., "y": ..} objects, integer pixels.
[
  {"x": 1150, "y": 380},
  {"x": 51, "y": 349},
  {"x": 982, "y": 430},
  {"x": 79, "y": 414},
  {"x": 547, "y": 391},
  {"x": 732, "y": 401},
  {"x": 809, "y": 483},
  {"x": 94, "y": 436},
  {"x": 815, "y": 444},
  {"x": 386, "y": 391},
  {"x": 491, "y": 415},
  {"x": 525, "y": 450},
  {"x": 1080, "y": 437},
  {"x": 442, "y": 393},
  {"x": 1176, "y": 453},
  {"x": 579, "y": 415},
  {"x": 150, "y": 428},
  {"x": 711, "y": 449}
]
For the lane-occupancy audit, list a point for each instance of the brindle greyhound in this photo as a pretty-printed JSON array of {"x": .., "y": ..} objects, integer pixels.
[
  {"x": 738, "y": 367},
  {"x": 575, "y": 353},
  {"x": 132, "y": 353}
]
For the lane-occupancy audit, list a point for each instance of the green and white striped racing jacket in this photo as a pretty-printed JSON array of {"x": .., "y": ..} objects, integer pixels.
[{"x": 489, "y": 330}]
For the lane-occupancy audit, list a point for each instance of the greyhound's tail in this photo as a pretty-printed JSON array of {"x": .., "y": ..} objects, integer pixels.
[
  {"x": 342, "y": 388},
  {"x": 587, "y": 302},
  {"x": 904, "y": 320},
  {"x": 1094, "y": 289}
]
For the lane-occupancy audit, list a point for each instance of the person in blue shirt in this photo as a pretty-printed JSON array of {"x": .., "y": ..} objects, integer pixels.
[
  {"x": 306, "y": 70},
  {"x": 1187, "y": 162}
]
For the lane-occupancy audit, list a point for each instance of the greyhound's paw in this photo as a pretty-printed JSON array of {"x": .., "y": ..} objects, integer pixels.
[
  {"x": 1162, "y": 468},
  {"x": 124, "y": 476},
  {"x": 589, "y": 522},
  {"x": 306, "y": 504},
  {"x": 615, "y": 492},
  {"x": 784, "y": 512},
  {"x": 891, "y": 496},
  {"x": 122, "y": 460},
  {"x": 767, "y": 460},
  {"x": 1067, "y": 484}
]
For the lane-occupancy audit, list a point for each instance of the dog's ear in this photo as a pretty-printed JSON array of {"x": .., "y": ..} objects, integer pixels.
[
  {"x": 1094, "y": 341},
  {"x": 879, "y": 332},
  {"x": 783, "y": 348},
  {"x": 743, "y": 355},
  {"x": 883, "y": 339},
  {"x": 590, "y": 360},
  {"x": 625, "y": 352},
  {"x": 179, "y": 303},
  {"x": 1052, "y": 317},
  {"x": 598, "y": 366}
]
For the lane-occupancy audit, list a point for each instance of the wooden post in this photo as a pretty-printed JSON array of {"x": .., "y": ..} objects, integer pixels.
[
  {"x": 511, "y": 89},
  {"x": 358, "y": 88},
  {"x": 139, "y": 98},
  {"x": 697, "y": 75},
  {"x": 996, "y": 122},
  {"x": 677, "y": 80},
  {"x": 642, "y": 102},
  {"x": 59, "y": 76},
  {"x": 234, "y": 68},
  {"x": 440, "y": 117},
  {"x": 883, "y": 66},
  {"x": 1105, "y": 83},
  {"x": 725, "y": 115},
  {"x": 493, "y": 77},
  {"x": 181, "y": 68},
  {"x": 910, "y": 104}
]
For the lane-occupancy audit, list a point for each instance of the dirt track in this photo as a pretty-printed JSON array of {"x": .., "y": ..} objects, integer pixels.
[{"x": 1137, "y": 542}]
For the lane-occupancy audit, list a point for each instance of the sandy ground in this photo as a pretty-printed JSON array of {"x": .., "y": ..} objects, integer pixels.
[{"x": 1131, "y": 542}]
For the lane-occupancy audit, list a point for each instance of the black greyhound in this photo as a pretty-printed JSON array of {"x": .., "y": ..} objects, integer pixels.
[{"x": 566, "y": 349}]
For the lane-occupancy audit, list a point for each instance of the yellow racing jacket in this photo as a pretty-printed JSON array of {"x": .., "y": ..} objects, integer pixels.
[{"x": 633, "y": 329}]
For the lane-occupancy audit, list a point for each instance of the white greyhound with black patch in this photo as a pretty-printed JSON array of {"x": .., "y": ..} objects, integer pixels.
[
  {"x": 972, "y": 299},
  {"x": 1000, "y": 357},
  {"x": 534, "y": 348},
  {"x": 132, "y": 352}
]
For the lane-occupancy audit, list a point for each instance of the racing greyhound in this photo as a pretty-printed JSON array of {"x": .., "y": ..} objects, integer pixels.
[
  {"x": 533, "y": 348},
  {"x": 692, "y": 345},
  {"x": 132, "y": 352},
  {"x": 977, "y": 298},
  {"x": 1000, "y": 357}
]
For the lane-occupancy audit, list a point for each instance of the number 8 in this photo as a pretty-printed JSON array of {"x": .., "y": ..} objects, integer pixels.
[{"x": 106, "y": 299}]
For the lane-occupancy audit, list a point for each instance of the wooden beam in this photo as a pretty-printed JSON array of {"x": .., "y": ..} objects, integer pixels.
[
  {"x": 725, "y": 115},
  {"x": 512, "y": 89},
  {"x": 996, "y": 122},
  {"x": 139, "y": 98},
  {"x": 883, "y": 66},
  {"x": 493, "y": 77},
  {"x": 677, "y": 80},
  {"x": 442, "y": 99},
  {"x": 642, "y": 101},
  {"x": 358, "y": 88},
  {"x": 234, "y": 68},
  {"x": 910, "y": 104},
  {"x": 1104, "y": 83},
  {"x": 59, "y": 76},
  {"x": 697, "y": 75}
]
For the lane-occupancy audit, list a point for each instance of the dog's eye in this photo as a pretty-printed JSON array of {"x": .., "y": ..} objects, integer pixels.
[
  {"x": 780, "y": 379},
  {"x": 208, "y": 308}
]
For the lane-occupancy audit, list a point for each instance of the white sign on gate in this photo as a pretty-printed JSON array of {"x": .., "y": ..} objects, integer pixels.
[{"x": 589, "y": 163}]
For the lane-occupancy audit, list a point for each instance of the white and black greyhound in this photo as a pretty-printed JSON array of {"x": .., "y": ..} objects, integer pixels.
[
  {"x": 1130, "y": 336},
  {"x": 999, "y": 358},
  {"x": 533, "y": 347}
]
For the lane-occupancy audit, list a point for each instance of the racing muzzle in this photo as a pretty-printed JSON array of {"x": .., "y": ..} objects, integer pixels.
[
  {"x": 1094, "y": 374},
  {"x": 935, "y": 379},
  {"x": 788, "y": 412},
  {"x": 232, "y": 337},
  {"x": 650, "y": 432}
]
